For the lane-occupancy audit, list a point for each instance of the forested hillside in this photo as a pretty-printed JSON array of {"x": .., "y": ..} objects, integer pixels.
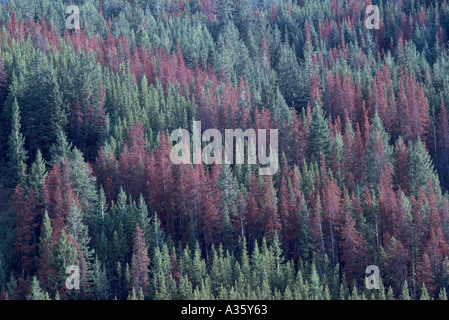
[{"x": 86, "y": 178}]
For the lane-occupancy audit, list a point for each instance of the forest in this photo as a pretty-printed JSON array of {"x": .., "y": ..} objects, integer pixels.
[{"x": 86, "y": 180}]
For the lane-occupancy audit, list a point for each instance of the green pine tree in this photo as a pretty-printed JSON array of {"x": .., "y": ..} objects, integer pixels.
[
  {"x": 60, "y": 149},
  {"x": 99, "y": 284},
  {"x": 424, "y": 293},
  {"x": 379, "y": 152},
  {"x": 421, "y": 167},
  {"x": 229, "y": 189},
  {"x": 315, "y": 284},
  {"x": 38, "y": 173},
  {"x": 405, "y": 295},
  {"x": 36, "y": 293},
  {"x": 320, "y": 139},
  {"x": 16, "y": 153}
]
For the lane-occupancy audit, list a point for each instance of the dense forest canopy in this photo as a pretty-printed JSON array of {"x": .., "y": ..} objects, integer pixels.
[{"x": 86, "y": 178}]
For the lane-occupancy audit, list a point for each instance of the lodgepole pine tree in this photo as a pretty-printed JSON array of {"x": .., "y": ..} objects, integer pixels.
[
  {"x": 420, "y": 166},
  {"x": 17, "y": 153},
  {"x": 99, "y": 285},
  {"x": 228, "y": 187},
  {"x": 38, "y": 173},
  {"x": 319, "y": 137},
  {"x": 46, "y": 245},
  {"x": 401, "y": 166},
  {"x": 140, "y": 264},
  {"x": 252, "y": 215},
  {"x": 378, "y": 152},
  {"x": 443, "y": 144},
  {"x": 36, "y": 293},
  {"x": 353, "y": 247},
  {"x": 24, "y": 210},
  {"x": 210, "y": 221},
  {"x": 268, "y": 208},
  {"x": 60, "y": 149},
  {"x": 160, "y": 183}
]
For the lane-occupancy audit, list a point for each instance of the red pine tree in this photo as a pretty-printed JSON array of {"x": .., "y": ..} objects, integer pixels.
[
  {"x": 140, "y": 263},
  {"x": 254, "y": 224},
  {"x": 398, "y": 259},
  {"x": 353, "y": 248},
  {"x": 210, "y": 220},
  {"x": 268, "y": 207},
  {"x": 331, "y": 215},
  {"x": 159, "y": 170},
  {"x": 401, "y": 167},
  {"x": 316, "y": 227},
  {"x": 412, "y": 118},
  {"x": 24, "y": 211},
  {"x": 387, "y": 203}
]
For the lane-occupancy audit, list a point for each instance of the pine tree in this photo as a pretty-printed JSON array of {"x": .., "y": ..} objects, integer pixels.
[
  {"x": 133, "y": 295},
  {"x": 442, "y": 144},
  {"x": 185, "y": 288},
  {"x": 210, "y": 221},
  {"x": 315, "y": 284},
  {"x": 42, "y": 105},
  {"x": 99, "y": 285},
  {"x": 161, "y": 181},
  {"x": 268, "y": 208},
  {"x": 78, "y": 230},
  {"x": 229, "y": 190},
  {"x": 331, "y": 213},
  {"x": 140, "y": 264},
  {"x": 38, "y": 173},
  {"x": 36, "y": 293},
  {"x": 412, "y": 108},
  {"x": 443, "y": 294},
  {"x": 17, "y": 154},
  {"x": 289, "y": 75},
  {"x": 24, "y": 210},
  {"x": 252, "y": 216},
  {"x": 390, "y": 294},
  {"x": 424, "y": 293},
  {"x": 405, "y": 295},
  {"x": 284, "y": 210},
  {"x": 397, "y": 260},
  {"x": 156, "y": 235},
  {"x": 65, "y": 254},
  {"x": 319, "y": 139},
  {"x": 378, "y": 152},
  {"x": 421, "y": 166},
  {"x": 3, "y": 81},
  {"x": 353, "y": 247},
  {"x": 143, "y": 219},
  {"x": 60, "y": 149},
  {"x": 401, "y": 166},
  {"x": 388, "y": 209},
  {"x": 46, "y": 245},
  {"x": 162, "y": 274},
  {"x": 82, "y": 182},
  {"x": 224, "y": 11}
]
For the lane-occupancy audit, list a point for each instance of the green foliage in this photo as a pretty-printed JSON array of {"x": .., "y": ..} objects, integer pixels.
[
  {"x": 319, "y": 141},
  {"x": 421, "y": 168},
  {"x": 307, "y": 67},
  {"x": 17, "y": 153},
  {"x": 99, "y": 286},
  {"x": 38, "y": 173},
  {"x": 36, "y": 292}
]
